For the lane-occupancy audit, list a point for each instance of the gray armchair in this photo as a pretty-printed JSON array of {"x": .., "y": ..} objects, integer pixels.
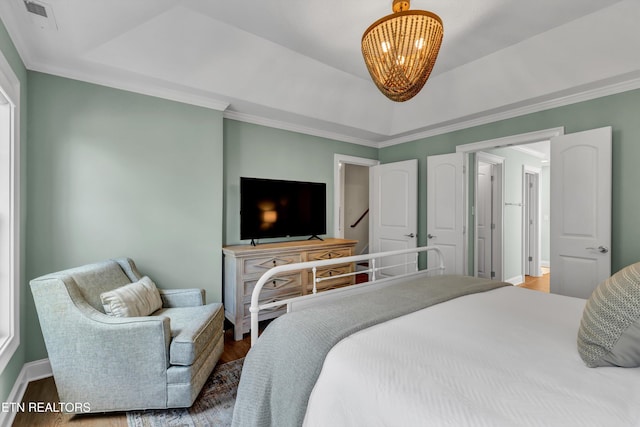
[{"x": 125, "y": 363}]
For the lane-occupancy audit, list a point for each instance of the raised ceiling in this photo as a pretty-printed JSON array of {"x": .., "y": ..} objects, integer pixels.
[{"x": 298, "y": 66}]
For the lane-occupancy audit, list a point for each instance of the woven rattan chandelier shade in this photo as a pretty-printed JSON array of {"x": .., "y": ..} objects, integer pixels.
[{"x": 400, "y": 50}]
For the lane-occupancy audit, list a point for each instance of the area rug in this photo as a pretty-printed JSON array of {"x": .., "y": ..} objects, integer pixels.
[{"x": 213, "y": 407}]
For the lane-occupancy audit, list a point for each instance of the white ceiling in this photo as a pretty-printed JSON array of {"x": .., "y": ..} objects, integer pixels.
[{"x": 298, "y": 66}]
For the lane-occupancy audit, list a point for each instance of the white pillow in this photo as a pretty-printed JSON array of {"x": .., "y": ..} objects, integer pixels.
[{"x": 140, "y": 298}]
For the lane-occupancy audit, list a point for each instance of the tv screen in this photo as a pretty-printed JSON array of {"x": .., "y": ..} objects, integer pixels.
[{"x": 278, "y": 208}]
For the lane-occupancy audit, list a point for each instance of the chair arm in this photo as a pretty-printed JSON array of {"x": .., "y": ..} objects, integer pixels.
[{"x": 182, "y": 297}]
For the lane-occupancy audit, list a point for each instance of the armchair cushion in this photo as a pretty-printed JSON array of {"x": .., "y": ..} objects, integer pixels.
[
  {"x": 136, "y": 299},
  {"x": 182, "y": 297},
  {"x": 192, "y": 329}
]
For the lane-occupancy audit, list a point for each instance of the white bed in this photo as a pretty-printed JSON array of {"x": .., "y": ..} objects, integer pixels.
[
  {"x": 502, "y": 357},
  {"x": 505, "y": 357}
]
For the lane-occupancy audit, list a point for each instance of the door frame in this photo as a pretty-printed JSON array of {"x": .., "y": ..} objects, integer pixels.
[
  {"x": 507, "y": 141},
  {"x": 498, "y": 208},
  {"x": 338, "y": 187},
  {"x": 531, "y": 213}
]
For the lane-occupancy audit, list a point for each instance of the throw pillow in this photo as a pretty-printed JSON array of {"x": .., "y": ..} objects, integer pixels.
[
  {"x": 140, "y": 298},
  {"x": 609, "y": 333}
]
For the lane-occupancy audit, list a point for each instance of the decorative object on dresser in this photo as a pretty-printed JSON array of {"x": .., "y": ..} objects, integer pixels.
[{"x": 244, "y": 264}]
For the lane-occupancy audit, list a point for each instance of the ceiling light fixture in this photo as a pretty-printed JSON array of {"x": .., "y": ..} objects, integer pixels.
[{"x": 400, "y": 50}]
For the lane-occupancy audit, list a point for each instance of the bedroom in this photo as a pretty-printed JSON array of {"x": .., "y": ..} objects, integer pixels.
[{"x": 162, "y": 157}]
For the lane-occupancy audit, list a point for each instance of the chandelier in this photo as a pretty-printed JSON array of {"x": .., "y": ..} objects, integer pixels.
[{"x": 400, "y": 50}]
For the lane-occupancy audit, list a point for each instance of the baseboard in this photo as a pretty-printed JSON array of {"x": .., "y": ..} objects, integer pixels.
[
  {"x": 516, "y": 280},
  {"x": 545, "y": 263},
  {"x": 31, "y": 371}
]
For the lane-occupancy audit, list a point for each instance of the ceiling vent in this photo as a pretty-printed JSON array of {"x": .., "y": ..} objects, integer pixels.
[
  {"x": 41, "y": 15},
  {"x": 36, "y": 8}
]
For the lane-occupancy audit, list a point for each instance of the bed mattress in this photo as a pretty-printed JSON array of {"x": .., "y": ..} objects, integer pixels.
[{"x": 506, "y": 357}]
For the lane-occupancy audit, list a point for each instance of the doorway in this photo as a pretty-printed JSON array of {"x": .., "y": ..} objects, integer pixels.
[
  {"x": 528, "y": 152},
  {"x": 505, "y": 212},
  {"x": 356, "y": 206},
  {"x": 392, "y": 208},
  {"x": 351, "y": 199}
]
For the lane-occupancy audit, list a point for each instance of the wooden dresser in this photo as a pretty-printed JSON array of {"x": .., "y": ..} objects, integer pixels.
[{"x": 244, "y": 264}]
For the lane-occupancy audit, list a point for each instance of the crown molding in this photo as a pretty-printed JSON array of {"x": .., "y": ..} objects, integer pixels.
[
  {"x": 200, "y": 101},
  {"x": 561, "y": 101},
  {"x": 155, "y": 90},
  {"x": 277, "y": 124},
  {"x": 144, "y": 86}
]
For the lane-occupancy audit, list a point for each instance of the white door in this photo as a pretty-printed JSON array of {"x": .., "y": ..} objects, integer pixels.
[
  {"x": 528, "y": 224},
  {"x": 581, "y": 211},
  {"x": 445, "y": 209},
  {"x": 393, "y": 213},
  {"x": 532, "y": 236},
  {"x": 484, "y": 219}
]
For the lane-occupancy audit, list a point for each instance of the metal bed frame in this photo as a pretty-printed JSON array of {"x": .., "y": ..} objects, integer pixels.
[{"x": 376, "y": 279}]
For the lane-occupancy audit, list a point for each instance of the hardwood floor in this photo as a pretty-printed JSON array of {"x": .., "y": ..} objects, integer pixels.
[
  {"x": 537, "y": 283},
  {"x": 44, "y": 390}
]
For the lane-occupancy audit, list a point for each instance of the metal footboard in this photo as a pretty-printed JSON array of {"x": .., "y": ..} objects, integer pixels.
[{"x": 375, "y": 271}]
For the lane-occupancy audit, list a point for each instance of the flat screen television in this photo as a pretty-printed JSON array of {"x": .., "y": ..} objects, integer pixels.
[{"x": 278, "y": 208}]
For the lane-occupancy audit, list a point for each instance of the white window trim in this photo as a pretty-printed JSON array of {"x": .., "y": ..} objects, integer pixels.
[{"x": 9, "y": 343}]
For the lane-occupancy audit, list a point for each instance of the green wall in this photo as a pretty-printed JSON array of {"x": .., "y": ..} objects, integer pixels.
[
  {"x": 113, "y": 173},
  {"x": 619, "y": 111},
  {"x": 262, "y": 152},
  {"x": 9, "y": 375}
]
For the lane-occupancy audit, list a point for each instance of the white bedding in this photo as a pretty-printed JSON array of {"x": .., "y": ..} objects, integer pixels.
[{"x": 506, "y": 357}]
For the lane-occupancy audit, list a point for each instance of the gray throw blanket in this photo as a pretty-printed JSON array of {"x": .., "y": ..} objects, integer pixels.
[{"x": 280, "y": 371}]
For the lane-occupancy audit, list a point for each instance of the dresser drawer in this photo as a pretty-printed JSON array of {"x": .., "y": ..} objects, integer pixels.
[
  {"x": 329, "y": 272},
  {"x": 283, "y": 284},
  {"x": 328, "y": 254},
  {"x": 262, "y": 264},
  {"x": 280, "y": 297}
]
